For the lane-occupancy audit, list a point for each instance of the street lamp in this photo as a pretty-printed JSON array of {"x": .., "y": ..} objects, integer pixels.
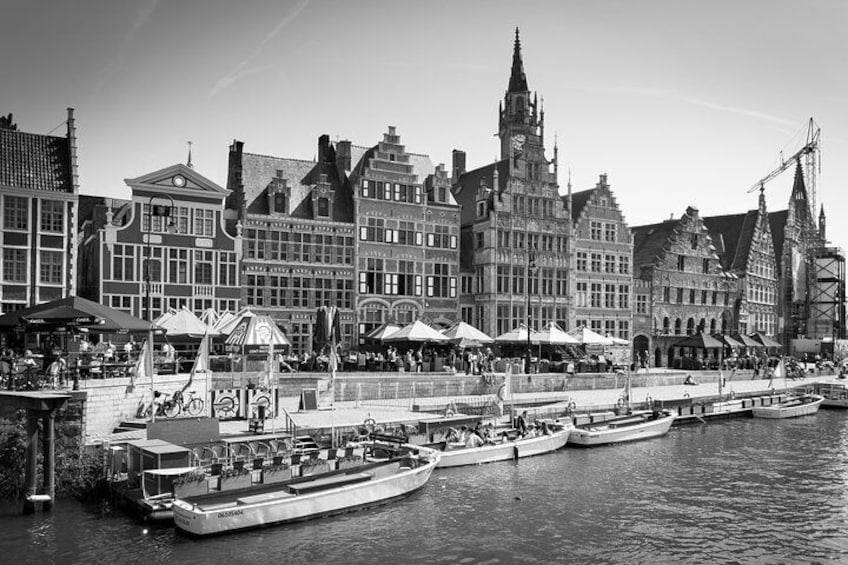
[
  {"x": 160, "y": 211},
  {"x": 531, "y": 267}
]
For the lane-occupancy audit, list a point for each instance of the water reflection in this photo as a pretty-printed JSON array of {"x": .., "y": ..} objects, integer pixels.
[{"x": 737, "y": 491}]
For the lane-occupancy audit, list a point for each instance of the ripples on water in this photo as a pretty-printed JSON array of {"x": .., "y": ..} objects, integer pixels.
[{"x": 749, "y": 491}]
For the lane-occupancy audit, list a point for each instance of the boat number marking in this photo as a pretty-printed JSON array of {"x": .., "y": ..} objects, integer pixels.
[{"x": 230, "y": 513}]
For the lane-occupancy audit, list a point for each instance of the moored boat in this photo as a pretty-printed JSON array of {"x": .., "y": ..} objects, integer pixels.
[
  {"x": 508, "y": 448},
  {"x": 835, "y": 394},
  {"x": 797, "y": 406},
  {"x": 632, "y": 427},
  {"x": 389, "y": 471}
]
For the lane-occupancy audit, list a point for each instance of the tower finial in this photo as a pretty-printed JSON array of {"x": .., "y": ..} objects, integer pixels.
[
  {"x": 188, "y": 163},
  {"x": 517, "y": 80}
]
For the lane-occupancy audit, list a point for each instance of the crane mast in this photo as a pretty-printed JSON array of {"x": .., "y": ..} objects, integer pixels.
[{"x": 809, "y": 153}]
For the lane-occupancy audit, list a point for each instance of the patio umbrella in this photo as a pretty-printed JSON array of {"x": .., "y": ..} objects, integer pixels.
[
  {"x": 465, "y": 330},
  {"x": 254, "y": 333},
  {"x": 747, "y": 341},
  {"x": 552, "y": 334},
  {"x": 764, "y": 340},
  {"x": 183, "y": 323},
  {"x": 728, "y": 341},
  {"x": 383, "y": 331},
  {"x": 327, "y": 335},
  {"x": 55, "y": 313},
  {"x": 700, "y": 340},
  {"x": 227, "y": 321},
  {"x": 518, "y": 335},
  {"x": 416, "y": 331},
  {"x": 587, "y": 337},
  {"x": 466, "y": 343}
]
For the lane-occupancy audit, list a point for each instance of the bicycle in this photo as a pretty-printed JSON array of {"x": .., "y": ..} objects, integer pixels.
[{"x": 189, "y": 403}]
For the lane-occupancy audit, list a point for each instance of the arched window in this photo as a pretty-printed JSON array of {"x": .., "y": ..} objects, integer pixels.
[
  {"x": 666, "y": 325},
  {"x": 280, "y": 203},
  {"x": 678, "y": 326},
  {"x": 702, "y": 325},
  {"x": 713, "y": 326},
  {"x": 690, "y": 326}
]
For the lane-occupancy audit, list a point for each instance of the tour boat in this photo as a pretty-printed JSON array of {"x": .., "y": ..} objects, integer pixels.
[
  {"x": 387, "y": 472},
  {"x": 632, "y": 427},
  {"x": 796, "y": 406},
  {"x": 457, "y": 455}
]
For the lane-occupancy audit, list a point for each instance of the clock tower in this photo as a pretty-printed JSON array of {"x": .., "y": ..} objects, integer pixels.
[{"x": 521, "y": 121}]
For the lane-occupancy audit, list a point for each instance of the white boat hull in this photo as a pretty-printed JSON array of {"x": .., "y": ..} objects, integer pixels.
[
  {"x": 789, "y": 409},
  {"x": 601, "y": 434},
  {"x": 194, "y": 519},
  {"x": 505, "y": 451}
]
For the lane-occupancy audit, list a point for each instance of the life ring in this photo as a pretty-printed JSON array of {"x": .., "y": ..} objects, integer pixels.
[
  {"x": 572, "y": 406},
  {"x": 370, "y": 422},
  {"x": 449, "y": 413},
  {"x": 502, "y": 392},
  {"x": 621, "y": 402},
  {"x": 732, "y": 395}
]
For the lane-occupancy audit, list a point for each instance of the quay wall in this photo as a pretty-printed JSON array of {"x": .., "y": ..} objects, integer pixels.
[{"x": 108, "y": 402}]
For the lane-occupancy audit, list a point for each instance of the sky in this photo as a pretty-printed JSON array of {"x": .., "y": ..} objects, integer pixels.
[{"x": 680, "y": 102}]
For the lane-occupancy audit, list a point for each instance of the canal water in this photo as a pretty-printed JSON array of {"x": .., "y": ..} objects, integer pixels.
[{"x": 737, "y": 491}]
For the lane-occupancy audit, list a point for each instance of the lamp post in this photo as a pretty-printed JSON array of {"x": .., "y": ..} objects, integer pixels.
[
  {"x": 162, "y": 212},
  {"x": 531, "y": 266},
  {"x": 159, "y": 211}
]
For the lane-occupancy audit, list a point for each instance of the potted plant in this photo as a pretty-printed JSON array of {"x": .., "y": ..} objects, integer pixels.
[
  {"x": 235, "y": 478},
  {"x": 276, "y": 473},
  {"x": 314, "y": 467},
  {"x": 193, "y": 483}
]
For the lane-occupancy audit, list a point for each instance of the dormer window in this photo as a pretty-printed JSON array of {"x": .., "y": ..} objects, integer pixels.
[
  {"x": 481, "y": 209},
  {"x": 280, "y": 203},
  {"x": 323, "y": 207}
]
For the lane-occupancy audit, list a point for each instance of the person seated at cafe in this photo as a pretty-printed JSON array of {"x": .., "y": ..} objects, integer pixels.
[{"x": 284, "y": 366}]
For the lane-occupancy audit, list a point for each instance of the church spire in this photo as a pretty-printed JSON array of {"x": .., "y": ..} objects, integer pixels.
[{"x": 517, "y": 80}]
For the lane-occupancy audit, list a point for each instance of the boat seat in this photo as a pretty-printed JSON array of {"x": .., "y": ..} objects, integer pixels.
[
  {"x": 329, "y": 482},
  {"x": 263, "y": 497}
]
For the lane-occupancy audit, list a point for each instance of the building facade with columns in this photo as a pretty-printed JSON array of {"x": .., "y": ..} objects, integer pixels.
[
  {"x": 165, "y": 248},
  {"x": 39, "y": 208}
]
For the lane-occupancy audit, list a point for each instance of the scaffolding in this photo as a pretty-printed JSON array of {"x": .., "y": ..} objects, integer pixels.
[{"x": 826, "y": 294}]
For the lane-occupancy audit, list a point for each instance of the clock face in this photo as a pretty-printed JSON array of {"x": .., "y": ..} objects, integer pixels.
[
  {"x": 518, "y": 141},
  {"x": 178, "y": 180}
]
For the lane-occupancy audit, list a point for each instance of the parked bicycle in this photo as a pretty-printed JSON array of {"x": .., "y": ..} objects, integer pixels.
[{"x": 188, "y": 403}]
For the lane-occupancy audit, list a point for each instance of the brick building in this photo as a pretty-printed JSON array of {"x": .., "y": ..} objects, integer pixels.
[
  {"x": 297, "y": 222},
  {"x": 407, "y": 242},
  {"x": 514, "y": 226},
  {"x": 690, "y": 291},
  {"x": 601, "y": 271},
  {"x": 168, "y": 244},
  {"x": 39, "y": 204}
]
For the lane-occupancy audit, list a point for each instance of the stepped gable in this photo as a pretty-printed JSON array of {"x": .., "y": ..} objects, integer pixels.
[
  {"x": 34, "y": 161},
  {"x": 579, "y": 200},
  {"x": 736, "y": 231}
]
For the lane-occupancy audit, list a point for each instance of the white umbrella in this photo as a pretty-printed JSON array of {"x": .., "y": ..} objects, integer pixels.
[
  {"x": 587, "y": 337},
  {"x": 463, "y": 330},
  {"x": 552, "y": 334},
  {"x": 416, "y": 331},
  {"x": 227, "y": 321},
  {"x": 184, "y": 323},
  {"x": 518, "y": 335}
]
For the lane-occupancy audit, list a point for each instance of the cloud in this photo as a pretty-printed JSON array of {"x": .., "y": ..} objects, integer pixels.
[
  {"x": 241, "y": 70},
  {"x": 142, "y": 16},
  {"x": 741, "y": 111}
]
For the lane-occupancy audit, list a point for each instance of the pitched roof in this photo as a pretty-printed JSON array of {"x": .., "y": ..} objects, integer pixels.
[
  {"x": 648, "y": 242},
  {"x": 258, "y": 171},
  {"x": 777, "y": 223},
  {"x": 732, "y": 236},
  {"x": 579, "y": 201},
  {"x": 34, "y": 161},
  {"x": 465, "y": 188}
]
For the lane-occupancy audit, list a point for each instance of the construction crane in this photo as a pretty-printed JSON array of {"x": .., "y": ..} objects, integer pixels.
[{"x": 809, "y": 152}]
